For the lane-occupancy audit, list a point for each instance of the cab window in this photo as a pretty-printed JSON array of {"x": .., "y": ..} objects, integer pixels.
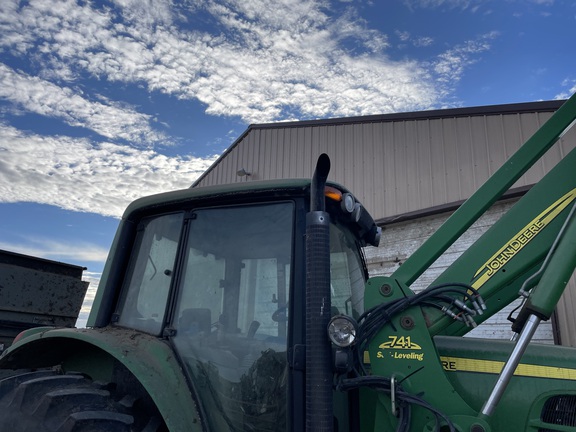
[{"x": 147, "y": 285}]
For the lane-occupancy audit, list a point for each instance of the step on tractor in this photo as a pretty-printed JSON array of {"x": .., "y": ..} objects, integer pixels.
[{"x": 248, "y": 307}]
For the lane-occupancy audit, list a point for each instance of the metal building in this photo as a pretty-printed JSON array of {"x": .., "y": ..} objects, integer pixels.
[{"x": 410, "y": 170}]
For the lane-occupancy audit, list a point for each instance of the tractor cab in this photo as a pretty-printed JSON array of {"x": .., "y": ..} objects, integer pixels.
[{"x": 224, "y": 284}]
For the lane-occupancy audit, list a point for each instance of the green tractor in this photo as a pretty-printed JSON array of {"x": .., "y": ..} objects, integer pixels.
[{"x": 248, "y": 307}]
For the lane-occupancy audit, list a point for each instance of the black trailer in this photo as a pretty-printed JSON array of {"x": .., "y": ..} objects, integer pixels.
[{"x": 37, "y": 292}]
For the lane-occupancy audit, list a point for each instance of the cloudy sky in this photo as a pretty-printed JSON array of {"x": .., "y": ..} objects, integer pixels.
[{"x": 102, "y": 102}]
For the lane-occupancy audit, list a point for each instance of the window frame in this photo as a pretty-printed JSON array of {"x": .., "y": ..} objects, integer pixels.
[{"x": 133, "y": 262}]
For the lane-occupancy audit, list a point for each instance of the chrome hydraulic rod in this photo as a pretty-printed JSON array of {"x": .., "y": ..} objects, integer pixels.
[{"x": 511, "y": 365}]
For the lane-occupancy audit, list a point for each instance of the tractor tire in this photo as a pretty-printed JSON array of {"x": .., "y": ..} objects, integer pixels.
[{"x": 46, "y": 401}]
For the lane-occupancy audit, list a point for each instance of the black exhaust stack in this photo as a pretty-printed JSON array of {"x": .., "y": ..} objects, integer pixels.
[{"x": 319, "y": 409}]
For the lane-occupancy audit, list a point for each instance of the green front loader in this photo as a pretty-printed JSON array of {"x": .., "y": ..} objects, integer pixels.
[{"x": 248, "y": 307}]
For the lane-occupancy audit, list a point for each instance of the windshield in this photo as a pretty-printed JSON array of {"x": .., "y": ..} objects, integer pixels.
[{"x": 231, "y": 314}]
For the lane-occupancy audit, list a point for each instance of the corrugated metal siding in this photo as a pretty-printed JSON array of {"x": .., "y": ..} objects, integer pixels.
[{"x": 393, "y": 167}]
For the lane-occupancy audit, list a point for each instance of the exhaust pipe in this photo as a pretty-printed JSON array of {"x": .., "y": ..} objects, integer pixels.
[{"x": 319, "y": 405}]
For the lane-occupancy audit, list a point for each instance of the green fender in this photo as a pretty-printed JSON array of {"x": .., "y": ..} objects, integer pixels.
[{"x": 91, "y": 351}]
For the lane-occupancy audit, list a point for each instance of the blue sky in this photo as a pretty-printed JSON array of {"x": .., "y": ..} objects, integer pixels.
[{"x": 102, "y": 102}]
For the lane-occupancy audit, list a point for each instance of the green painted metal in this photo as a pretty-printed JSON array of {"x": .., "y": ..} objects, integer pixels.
[
  {"x": 472, "y": 366},
  {"x": 544, "y": 297},
  {"x": 218, "y": 192},
  {"x": 408, "y": 354},
  {"x": 456, "y": 375},
  {"x": 488, "y": 193},
  {"x": 151, "y": 360}
]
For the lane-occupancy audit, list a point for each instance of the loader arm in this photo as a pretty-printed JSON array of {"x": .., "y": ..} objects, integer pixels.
[
  {"x": 423, "y": 375},
  {"x": 512, "y": 250}
]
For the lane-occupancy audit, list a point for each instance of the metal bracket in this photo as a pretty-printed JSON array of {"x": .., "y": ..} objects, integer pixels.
[
  {"x": 393, "y": 395},
  {"x": 297, "y": 357}
]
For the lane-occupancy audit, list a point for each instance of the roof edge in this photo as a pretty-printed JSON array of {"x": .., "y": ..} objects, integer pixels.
[{"x": 513, "y": 108}]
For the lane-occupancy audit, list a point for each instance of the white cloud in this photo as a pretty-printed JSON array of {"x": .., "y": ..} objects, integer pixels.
[
  {"x": 56, "y": 250},
  {"x": 543, "y": 2},
  {"x": 423, "y": 41},
  {"x": 262, "y": 62},
  {"x": 405, "y": 37},
  {"x": 146, "y": 12},
  {"x": 571, "y": 84},
  {"x": 455, "y": 4},
  {"x": 45, "y": 98},
  {"x": 78, "y": 175},
  {"x": 450, "y": 65}
]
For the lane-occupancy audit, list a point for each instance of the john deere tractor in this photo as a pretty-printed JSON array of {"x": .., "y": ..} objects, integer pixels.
[{"x": 248, "y": 307}]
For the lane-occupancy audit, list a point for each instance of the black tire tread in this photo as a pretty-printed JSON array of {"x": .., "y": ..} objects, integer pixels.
[
  {"x": 97, "y": 421},
  {"x": 52, "y": 402}
]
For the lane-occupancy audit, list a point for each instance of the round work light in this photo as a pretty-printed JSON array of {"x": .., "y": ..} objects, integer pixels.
[{"x": 342, "y": 331}]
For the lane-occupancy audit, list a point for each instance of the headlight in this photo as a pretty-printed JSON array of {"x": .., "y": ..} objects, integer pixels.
[{"x": 342, "y": 331}]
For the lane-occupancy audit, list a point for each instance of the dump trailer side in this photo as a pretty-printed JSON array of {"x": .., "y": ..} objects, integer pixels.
[{"x": 37, "y": 292}]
